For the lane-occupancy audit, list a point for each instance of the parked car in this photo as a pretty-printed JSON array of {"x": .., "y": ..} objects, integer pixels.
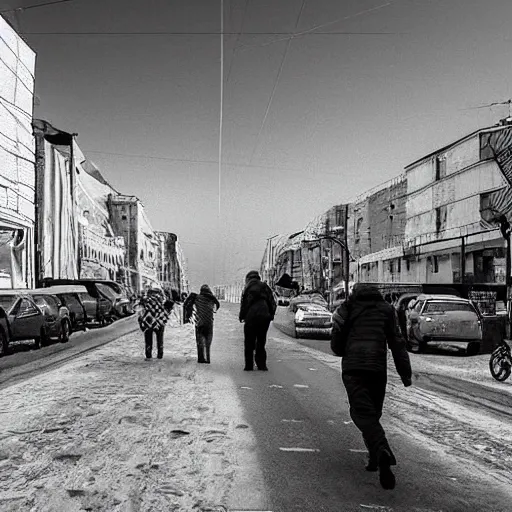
[
  {"x": 57, "y": 322},
  {"x": 98, "y": 307},
  {"x": 69, "y": 295},
  {"x": 20, "y": 319},
  {"x": 307, "y": 316},
  {"x": 121, "y": 304},
  {"x": 444, "y": 319}
]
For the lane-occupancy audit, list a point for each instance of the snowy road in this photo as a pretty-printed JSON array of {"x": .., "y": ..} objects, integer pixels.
[{"x": 110, "y": 431}]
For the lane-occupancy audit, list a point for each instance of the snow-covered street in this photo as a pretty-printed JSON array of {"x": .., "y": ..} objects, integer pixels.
[{"x": 111, "y": 431}]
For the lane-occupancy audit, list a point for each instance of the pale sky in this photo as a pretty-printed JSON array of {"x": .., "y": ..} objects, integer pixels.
[{"x": 349, "y": 111}]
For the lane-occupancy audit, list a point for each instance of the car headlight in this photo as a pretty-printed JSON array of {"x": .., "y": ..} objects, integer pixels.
[{"x": 299, "y": 316}]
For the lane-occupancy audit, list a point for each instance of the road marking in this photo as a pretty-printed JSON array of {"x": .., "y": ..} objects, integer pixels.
[
  {"x": 357, "y": 451},
  {"x": 308, "y": 450},
  {"x": 300, "y": 386},
  {"x": 275, "y": 386},
  {"x": 245, "y": 387},
  {"x": 348, "y": 422},
  {"x": 375, "y": 507},
  {"x": 313, "y": 369},
  {"x": 293, "y": 421}
]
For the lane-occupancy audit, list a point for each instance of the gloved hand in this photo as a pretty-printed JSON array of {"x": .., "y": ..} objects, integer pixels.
[{"x": 407, "y": 381}]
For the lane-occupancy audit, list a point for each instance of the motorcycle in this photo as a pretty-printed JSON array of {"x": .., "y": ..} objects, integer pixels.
[{"x": 500, "y": 362}]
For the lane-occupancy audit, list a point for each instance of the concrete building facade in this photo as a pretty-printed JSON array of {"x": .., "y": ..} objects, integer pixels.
[
  {"x": 130, "y": 221},
  {"x": 17, "y": 160}
]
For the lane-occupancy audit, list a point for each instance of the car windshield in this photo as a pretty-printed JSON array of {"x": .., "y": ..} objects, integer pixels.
[
  {"x": 41, "y": 301},
  {"x": 443, "y": 307},
  {"x": 106, "y": 290},
  {"x": 6, "y": 301}
]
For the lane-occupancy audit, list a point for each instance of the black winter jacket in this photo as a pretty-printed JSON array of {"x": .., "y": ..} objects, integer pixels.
[
  {"x": 363, "y": 329},
  {"x": 257, "y": 302}
]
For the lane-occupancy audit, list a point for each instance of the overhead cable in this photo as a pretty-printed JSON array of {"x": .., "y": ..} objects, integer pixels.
[
  {"x": 329, "y": 23},
  {"x": 171, "y": 33},
  {"x": 35, "y": 6},
  {"x": 269, "y": 104}
]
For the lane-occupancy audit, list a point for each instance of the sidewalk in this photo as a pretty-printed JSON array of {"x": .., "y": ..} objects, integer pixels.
[{"x": 114, "y": 432}]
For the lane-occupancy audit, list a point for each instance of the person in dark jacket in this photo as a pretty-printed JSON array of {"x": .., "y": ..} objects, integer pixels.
[
  {"x": 364, "y": 327},
  {"x": 257, "y": 310},
  {"x": 201, "y": 307}
]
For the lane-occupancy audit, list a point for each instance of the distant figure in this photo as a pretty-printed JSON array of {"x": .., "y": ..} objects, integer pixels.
[
  {"x": 363, "y": 328},
  {"x": 257, "y": 310},
  {"x": 156, "y": 309},
  {"x": 201, "y": 307}
]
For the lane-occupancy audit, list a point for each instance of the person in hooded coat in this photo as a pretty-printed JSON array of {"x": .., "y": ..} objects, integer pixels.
[
  {"x": 201, "y": 307},
  {"x": 364, "y": 327},
  {"x": 257, "y": 310}
]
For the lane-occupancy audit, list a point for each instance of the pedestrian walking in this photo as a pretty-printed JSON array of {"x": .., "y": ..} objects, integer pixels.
[
  {"x": 364, "y": 327},
  {"x": 200, "y": 309},
  {"x": 156, "y": 309},
  {"x": 257, "y": 310}
]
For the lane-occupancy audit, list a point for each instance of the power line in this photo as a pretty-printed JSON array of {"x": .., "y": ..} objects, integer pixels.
[
  {"x": 267, "y": 110},
  {"x": 288, "y": 35},
  {"x": 236, "y": 41},
  {"x": 323, "y": 25},
  {"x": 35, "y": 6},
  {"x": 225, "y": 164},
  {"x": 221, "y": 107}
]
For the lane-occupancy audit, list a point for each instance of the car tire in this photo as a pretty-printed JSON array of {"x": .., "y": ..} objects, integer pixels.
[
  {"x": 4, "y": 343},
  {"x": 65, "y": 331},
  {"x": 473, "y": 349},
  {"x": 38, "y": 342}
]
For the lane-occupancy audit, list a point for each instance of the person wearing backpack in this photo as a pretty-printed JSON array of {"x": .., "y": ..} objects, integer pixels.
[{"x": 364, "y": 327}]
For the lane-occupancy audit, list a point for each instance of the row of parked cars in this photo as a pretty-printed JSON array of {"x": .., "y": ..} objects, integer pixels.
[
  {"x": 424, "y": 320},
  {"x": 58, "y": 310}
]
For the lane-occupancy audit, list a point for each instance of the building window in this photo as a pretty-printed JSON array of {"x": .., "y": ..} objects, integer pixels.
[
  {"x": 441, "y": 215},
  {"x": 123, "y": 217},
  {"x": 339, "y": 217},
  {"x": 440, "y": 167},
  {"x": 358, "y": 229},
  {"x": 398, "y": 266},
  {"x": 408, "y": 265},
  {"x": 434, "y": 264},
  {"x": 391, "y": 267}
]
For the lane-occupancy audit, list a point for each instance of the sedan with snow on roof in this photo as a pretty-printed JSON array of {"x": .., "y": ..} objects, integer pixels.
[
  {"x": 446, "y": 320},
  {"x": 307, "y": 316}
]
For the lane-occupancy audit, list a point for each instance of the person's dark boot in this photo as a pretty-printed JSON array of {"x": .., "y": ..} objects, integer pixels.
[
  {"x": 372, "y": 465},
  {"x": 386, "y": 476},
  {"x": 200, "y": 354},
  {"x": 160, "y": 355},
  {"x": 263, "y": 368},
  {"x": 248, "y": 368}
]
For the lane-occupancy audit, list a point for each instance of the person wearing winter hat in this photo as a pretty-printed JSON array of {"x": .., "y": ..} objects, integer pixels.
[
  {"x": 257, "y": 310},
  {"x": 364, "y": 326},
  {"x": 200, "y": 309}
]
